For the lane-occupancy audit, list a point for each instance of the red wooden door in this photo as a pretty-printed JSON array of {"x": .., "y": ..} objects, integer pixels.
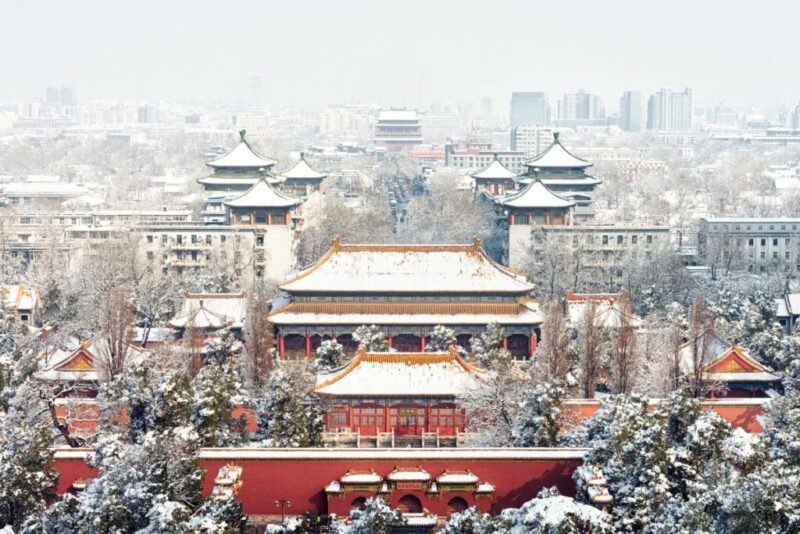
[{"x": 408, "y": 420}]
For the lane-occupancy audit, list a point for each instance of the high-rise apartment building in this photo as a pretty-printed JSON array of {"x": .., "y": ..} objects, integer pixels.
[
  {"x": 529, "y": 108},
  {"x": 581, "y": 106},
  {"x": 670, "y": 110},
  {"x": 532, "y": 140},
  {"x": 631, "y": 111}
]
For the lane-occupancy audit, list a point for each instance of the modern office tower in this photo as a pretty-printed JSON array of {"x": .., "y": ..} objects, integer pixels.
[
  {"x": 529, "y": 108},
  {"x": 631, "y": 111},
  {"x": 670, "y": 110}
]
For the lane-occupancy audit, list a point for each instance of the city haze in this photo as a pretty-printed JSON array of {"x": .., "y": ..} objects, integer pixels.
[{"x": 414, "y": 53}]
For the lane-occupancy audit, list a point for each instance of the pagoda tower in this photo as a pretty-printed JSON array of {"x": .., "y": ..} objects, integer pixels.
[
  {"x": 566, "y": 175},
  {"x": 233, "y": 174}
]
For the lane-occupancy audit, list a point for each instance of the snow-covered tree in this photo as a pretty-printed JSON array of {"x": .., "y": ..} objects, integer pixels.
[
  {"x": 494, "y": 403},
  {"x": 441, "y": 339},
  {"x": 288, "y": 416},
  {"x": 330, "y": 355},
  {"x": 27, "y": 476},
  {"x": 259, "y": 352},
  {"x": 218, "y": 390},
  {"x": 470, "y": 521},
  {"x": 488, "y": 349},
  {"x": 371, "y": 339},
  {"x": 377, "y": 517},
  {"x": 539, "y": 421},
  {"x": 552, "y": 513}
]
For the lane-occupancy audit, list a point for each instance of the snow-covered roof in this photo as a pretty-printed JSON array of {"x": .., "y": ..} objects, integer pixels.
[
  {"x": 302, "y": 169},
  {"x": 793, "y": 303},
  {"x": 782, "y": 308},
  {"x": 391, "y": 115},
  {"x": 727, "y": 363},
  {"x": 228, "y": 180},
  {"x": 557, "y": 157},
  {"x": 457, "y": 477},
  {"x": 408, "y": 474},
  {"x": 42, "y": 189},
  {"x": 609, "y": 309},
  {"x": 242, "y": 157},
  {"x": 536, "y": 195},
  {"x": 495, "y": 171},
  {"x": 262, "y": 195},
  {"x": 419, "y": 520},
  {"x": 484, "y": 487},
  {"x": 19, "y": 297},
  {"x": 407, "y": 269},
  {"x": 524, "y": 311},
  {"x": 401, "y": 374},
  {"x": 361, "y": 477},
  {"x": 79, "y": 363},
  {"x": 212, "y": 310}
]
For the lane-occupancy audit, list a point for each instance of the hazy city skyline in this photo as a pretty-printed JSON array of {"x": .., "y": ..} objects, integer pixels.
[{"x": 412, "y": 54}]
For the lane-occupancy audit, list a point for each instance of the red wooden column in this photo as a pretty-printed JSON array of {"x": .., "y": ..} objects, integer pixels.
[
  {"x": 505, "y": 342},
  {"x": 533, "y": 343},
  {"x": 386, "y": 416},
  {"x": 269, "y": 217},
  {"x": 350, "y": 417},
  {"x": 428, "y": 416},
  {"x": 389, "y": 338},
  {"x": 281, "y": 347},
  {"x": 422, "y": 343},
  {"x": 308, "y": 347},
  {"x": 288, "y": 218}
]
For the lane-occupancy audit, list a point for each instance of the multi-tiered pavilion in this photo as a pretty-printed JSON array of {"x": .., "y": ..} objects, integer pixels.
[
  {"x": 406, "y": 290},
  {"x": 564, "y": 174},
  {"x": 495, "y": 179}
]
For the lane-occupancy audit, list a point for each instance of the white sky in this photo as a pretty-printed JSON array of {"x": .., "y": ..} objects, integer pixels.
[{"x": 400, "y": 52}]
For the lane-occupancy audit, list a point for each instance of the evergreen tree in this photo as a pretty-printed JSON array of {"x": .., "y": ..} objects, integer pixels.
[
  {"x": 539, "y": 422},
  {"x": 377, "y": 517},
  {"x": 27, "y": 476},
  {"x": 371, "y": 339},
  {"x": 217, "y": 391},
  {"x": 552, "y": 513},
  {"x": 470, "y": 521},
  {"x": 441, "y": 339},
  {"x": 330, "y": 355},
  {"x": 287, "y": 415},
  {"x": 488, "y": 348}
]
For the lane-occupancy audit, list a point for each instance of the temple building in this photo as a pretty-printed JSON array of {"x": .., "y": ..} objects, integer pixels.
[
  {"x": 535, "y": 205},
  {"x": 406, "y": 290},
  {"x": 211, "y": 312},
  {"x": 21, "y": 303},
  {"x": 78, "y": 368},
  {"x": 398, "y": 129},
  {"x": 610, "y": 310},
  {"x": 731, "y": 367},
  {"x": 565, "y": 175},
  {"x": 395, "y": 398},
  {"x": 234, "y": 173},
  {"x": 495, "y": 179},
  {"x": 301, "y": 180}
]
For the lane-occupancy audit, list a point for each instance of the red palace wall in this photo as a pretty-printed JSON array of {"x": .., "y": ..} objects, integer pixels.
[
  {"x": 740, "y": 413},
  {"x": 82, "y": 414},
  {"x": 301, "y": 475}
]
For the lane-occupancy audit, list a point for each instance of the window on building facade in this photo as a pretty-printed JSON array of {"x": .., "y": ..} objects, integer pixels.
[
  {"x": 763, "y": 242},
  {"x": 620, "y": 239},
  {"x": 774, "y": 242},
  {"x": 649, "y": 239},
  {"x": 605, "y": 240},
  {"x": 750, "y": 242},
  {"x": 634, "y": 239},
  {"x": 208, "y": 239}
]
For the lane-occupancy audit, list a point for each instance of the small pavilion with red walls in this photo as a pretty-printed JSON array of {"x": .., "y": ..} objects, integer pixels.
[
  {"x": 405, "y": 290},
  {"x": 397, "y": 397}
]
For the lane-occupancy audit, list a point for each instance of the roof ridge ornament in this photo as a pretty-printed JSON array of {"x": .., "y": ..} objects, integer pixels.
[
  {"x": 242, "y": 133},
  {"x": 555, "y": 137}
]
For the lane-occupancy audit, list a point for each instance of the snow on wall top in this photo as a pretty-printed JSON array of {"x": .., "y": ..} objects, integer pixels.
[
  {"x": 405, "y": 374},
  {"x": 407, "y": 269}
]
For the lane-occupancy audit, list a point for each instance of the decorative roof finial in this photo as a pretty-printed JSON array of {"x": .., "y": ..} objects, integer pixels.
[
  {"x": 242, "y": 133},
  {"x": 302, "y": 155},
  {"x": 555, "y": 137},
  {"x": 477, "y": 242},
  {"x": 337, "y": 240},
  {"x": 495, "y": 156}
]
